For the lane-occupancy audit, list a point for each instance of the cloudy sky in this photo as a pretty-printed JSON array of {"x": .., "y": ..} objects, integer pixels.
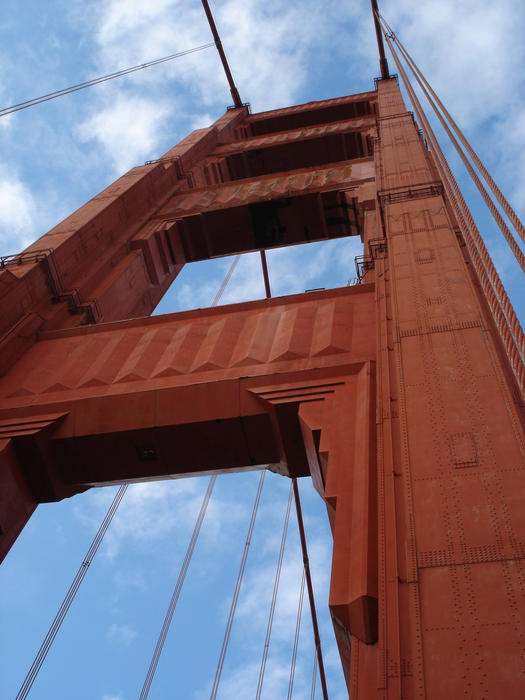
[{"x": 56, "y": 156}]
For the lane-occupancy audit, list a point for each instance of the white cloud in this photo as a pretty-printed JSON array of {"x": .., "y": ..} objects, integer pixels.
[
  {"x": 189, "y": 297},
  {"x": 246, "y": 282},
  {"x": 121, "y": 634},
  {"x": 202, "y": 121},
  {"x": 112, "y": 697},
  {"x": 269, "y": 45},
  {"x": 241, "y": 671},
  {"x": 6, "y": 122},
  {"x": 509, "y": 134},
  {"x": 149, "y": 512},
  {"x": 258, "y": 586},
  {"x": 122, "y": 16},
  {"x": 18, "y": 212},
  {"x": 468, "y": 48},
  {"x": 242, "y": 681},
  {"x": 152, "y": 511},
  {"x": 129, "y": 129},
  {"x": 292, "y": 270}
]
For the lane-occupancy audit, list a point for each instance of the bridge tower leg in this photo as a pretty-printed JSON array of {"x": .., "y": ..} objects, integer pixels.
[{"x": 394, "y": 394}]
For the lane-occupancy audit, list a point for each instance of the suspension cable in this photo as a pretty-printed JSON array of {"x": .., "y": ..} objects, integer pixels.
[
  {"x": 96, "y": 81},
  {"x": 233, "y": 606},
  {"x": 518, "y": 225},
  {"x": 274, "y": 597},
  {"x": 176, "y": 592},
  {"x": 505, "y": 317},
  {"x": 226, "y": 280},
  {"x": 296, "y": 639},
  {"x": 191, "y": 546},
  {"x": 425, "y": 87},
  {"x": 306, "y": 564},
  {"x": 314, "y": 678},
  {"x": 70, "y": 596}
]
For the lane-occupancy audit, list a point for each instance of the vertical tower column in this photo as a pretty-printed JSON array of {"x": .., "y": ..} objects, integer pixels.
[{"x": 450, "y": 446}]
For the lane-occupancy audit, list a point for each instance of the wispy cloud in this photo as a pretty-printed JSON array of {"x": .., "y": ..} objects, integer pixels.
[
  {"x": 241, "y": 671},
  {"x": 151, "y": 512},
  {"x": 18, "y": 212},
  {"x": 128, "y": 130},
  {"x": 452, "y": 41},
  {"x": 121, "y": 634}
]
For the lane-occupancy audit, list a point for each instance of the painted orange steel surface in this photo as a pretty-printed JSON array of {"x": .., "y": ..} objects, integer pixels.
[{"x": 394, "y": 395}]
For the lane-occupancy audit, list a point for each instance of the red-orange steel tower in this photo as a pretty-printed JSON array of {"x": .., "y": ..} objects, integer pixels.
[{"x": 395, "y": 394}]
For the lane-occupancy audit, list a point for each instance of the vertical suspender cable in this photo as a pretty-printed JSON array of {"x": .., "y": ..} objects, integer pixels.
[
  {"x": 383, "y": 63},
  {"x": 226, "y": 280},
  {"x": 274, "y": 598},
  {"x": 296, "y": 639},
  {"x": 306, "y": 563},
  {"x": 70, "y": 596},
  {"x": 237, "y": 102},
  {"x": 233, "y": 606},
  {"x": 176, "y": 592},
  {"x": 314, "y": 678},
  {"x": 422, "y": 82},
  {"x": 191, "y": 546},
  {"x": 266, "y": 277}
]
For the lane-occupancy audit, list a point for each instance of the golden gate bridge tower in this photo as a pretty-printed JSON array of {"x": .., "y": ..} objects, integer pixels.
[{"x": 401, "y": 396}]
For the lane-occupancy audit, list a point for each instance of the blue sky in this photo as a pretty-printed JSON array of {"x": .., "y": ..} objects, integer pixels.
[{"x": 56, "y": 156}]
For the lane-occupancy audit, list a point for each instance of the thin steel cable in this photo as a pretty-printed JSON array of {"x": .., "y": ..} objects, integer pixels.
[
  {"x": 504, "y": 315},
  {"x": 96, "y": 81},
  {"x": 306, "y": 564},
  {"x": 314, "y": 678},
  {"x": 70, "y": 596},
  {"x": 226, "y": 280},
  {"x": 176, "y": 592},
  {"x": 296, "y": 639},
  {"x": 423, "y": 83},
  {"x": 518, "y": 225},
  {"x": 233, "y": 606},
  {"x": 274, "y": 597},
  {"x": 191, "y": 546}
]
